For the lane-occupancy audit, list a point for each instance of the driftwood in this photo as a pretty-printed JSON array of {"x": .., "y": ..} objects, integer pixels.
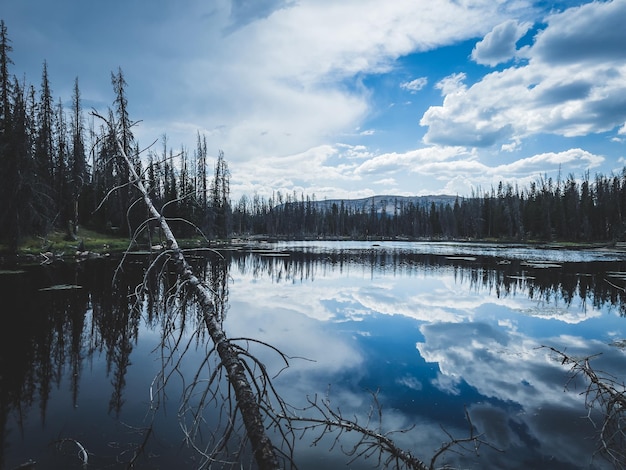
[
  {"x": 247, "y": 401},
  {"x": 607, "y": 394}
]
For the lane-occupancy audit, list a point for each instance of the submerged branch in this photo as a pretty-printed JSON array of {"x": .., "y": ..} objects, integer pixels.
[
  {"x": 607, "y": 394},
  {"x": 263, "y": 450},
  {"x": 372, "y": 440}
]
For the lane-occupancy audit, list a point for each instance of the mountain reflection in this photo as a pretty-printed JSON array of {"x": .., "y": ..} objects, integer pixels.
[{"x": 68, "y": 315}]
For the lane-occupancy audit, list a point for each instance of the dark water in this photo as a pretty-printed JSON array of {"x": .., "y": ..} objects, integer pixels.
[{"x": 112, "y": 368}]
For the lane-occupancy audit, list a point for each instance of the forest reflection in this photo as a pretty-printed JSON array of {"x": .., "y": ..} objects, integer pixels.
[
  {"x": 591, "y": 281},
  {"x": 59, "y": 317}
]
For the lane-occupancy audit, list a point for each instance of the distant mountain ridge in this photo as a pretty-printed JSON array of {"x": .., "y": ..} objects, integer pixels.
[{"x": 388, "y": 202}]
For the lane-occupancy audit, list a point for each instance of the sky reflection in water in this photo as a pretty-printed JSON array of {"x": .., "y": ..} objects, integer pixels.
[
  {"x": 434, "y": 333},
  {"x": 433, "y": 340}
]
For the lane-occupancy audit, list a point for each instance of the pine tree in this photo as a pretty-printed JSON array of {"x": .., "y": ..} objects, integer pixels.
[
  {"x": 6, "y": 176},
  {"x": 201, "y": 182},
  {"x": 78, "y": 176},
  {"x": 44, "y": 144},
  {"x": 62, "y": 188},
  {"x": 22, "y": 215},
  {"x": 125, "y": 194},
  {"x": 220, "y": 198},
  {"x": 5, "y": 79}
]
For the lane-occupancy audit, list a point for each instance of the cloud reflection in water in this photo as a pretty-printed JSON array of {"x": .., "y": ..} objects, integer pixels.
[{"x": 433, "y": 340}]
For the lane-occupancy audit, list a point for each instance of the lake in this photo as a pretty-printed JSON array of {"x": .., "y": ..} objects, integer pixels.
[{"x": 109, "y": 363}]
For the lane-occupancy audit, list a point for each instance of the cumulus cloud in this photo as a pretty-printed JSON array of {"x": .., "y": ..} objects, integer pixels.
[
  {"x": 452, "y": 84},
  {"x": 276, "y": 99},
  {"x": 461, "y": 171},
  {"x": 563, "y": 89},
  {"x": 398, "y": 162},
  {"x": 322, "y": 170},
  {"x": 450, "y": 161},
  {"x": 592, "y": 33},
  {"x": 499, "y": 44},
  {"x": 415, "y": 85},
  {"x": 573, "y": 158}
]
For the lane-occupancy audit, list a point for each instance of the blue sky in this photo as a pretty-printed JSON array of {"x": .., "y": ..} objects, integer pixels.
[{"x": 352, "y": 98}]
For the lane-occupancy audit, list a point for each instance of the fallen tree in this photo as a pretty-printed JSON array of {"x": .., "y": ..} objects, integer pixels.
[{"x": 229, "y": 354}]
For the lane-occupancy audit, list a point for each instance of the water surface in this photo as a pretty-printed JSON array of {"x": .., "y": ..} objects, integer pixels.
[{"x": 437, "y": 331}]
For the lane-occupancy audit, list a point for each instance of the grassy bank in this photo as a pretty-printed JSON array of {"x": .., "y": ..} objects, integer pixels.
[
  {"x": 89, "y": 241},
  {"x": 101, "y": 243}
]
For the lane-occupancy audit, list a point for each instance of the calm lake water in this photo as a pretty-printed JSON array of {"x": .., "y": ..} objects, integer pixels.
[{"x": 99, "y": 369}]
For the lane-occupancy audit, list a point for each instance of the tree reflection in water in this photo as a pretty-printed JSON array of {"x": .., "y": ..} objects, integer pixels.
[{"x": 55, "y": 333}]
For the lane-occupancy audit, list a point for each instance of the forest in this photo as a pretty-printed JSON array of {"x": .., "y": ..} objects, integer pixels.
[{"x": 62, "y": 169}]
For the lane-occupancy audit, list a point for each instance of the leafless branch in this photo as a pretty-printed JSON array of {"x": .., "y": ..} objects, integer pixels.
[
  {"x": 608, "y": 395},
  {"x": 321, "y": 418},
  {"x": 230, "y": 359}
]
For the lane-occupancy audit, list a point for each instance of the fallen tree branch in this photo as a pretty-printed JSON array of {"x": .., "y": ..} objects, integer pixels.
[
  {"x": 248, "y": 405},
  {"x": 607, "y": 394},
  {"x": 373, "y": 441}
]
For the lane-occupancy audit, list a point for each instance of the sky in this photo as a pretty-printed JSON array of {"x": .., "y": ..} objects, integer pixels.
[{"x": 349, "y": 98}]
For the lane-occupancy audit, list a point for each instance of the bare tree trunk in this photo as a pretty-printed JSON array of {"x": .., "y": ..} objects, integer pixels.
[{"x": 262, "y": 447}]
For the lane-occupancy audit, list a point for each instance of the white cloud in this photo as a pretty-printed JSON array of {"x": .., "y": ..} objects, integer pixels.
[
  {"x": 450, "y": 161},
  {"x": 413, "y": 160},
  {"x": 279, "y": 85},
  {"x": 499, "y": 44},
  {"x": 415, "y": 85},
  {"x": 564, "y": 89},
  {"x": 325, "y": 171},
  {"x": 452, "y": 84},
  {"x": 591, "y": 33},
  {"x": 293, "y": 84},
  {"x": 574, "y": 158}
]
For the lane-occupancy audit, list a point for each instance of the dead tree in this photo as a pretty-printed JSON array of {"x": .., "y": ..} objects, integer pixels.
[
  {"x": 607, "y": 394},
  {"x": 246, "y": 398},
  {"x": 373, "y": 442}
]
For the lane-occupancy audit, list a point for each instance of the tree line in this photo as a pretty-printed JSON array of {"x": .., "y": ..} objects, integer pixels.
[
  {"x": 582, "y": 210},
  {"x": 58, "y": 171},
  {"x": 62, "y": 171}
]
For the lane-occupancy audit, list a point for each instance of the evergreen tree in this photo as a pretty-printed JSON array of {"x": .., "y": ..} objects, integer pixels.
[
  {"x": 44, "y": 149},
  {"x": 5, "y": 79},
  {"x": 121, "y": 172},
  {"x": 61, "y": 169},
  {"x": 22, "y": 212},
  {"x": 220, "y": 198},
  {"x": 44, "y": 144},
  {"x": 6, "y": 176},
  {"x": 77, "y": 162},
  {"x": 121, "y": 111},
  {"x": 202, "y": 183}
]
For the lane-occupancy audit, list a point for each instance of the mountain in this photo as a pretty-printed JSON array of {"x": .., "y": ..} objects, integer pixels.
[{"x": 389, "y": 202}]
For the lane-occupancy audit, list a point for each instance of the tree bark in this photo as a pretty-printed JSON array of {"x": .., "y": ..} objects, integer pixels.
[{"x": 262, "y": 447}]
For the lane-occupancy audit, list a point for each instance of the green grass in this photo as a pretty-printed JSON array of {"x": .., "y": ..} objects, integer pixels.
[
  {"x": 97, "y": 242},
  {"x": 58, "y": 243}
]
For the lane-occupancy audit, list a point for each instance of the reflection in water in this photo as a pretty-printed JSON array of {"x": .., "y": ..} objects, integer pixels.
[{"x": 432, "y": 332}]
